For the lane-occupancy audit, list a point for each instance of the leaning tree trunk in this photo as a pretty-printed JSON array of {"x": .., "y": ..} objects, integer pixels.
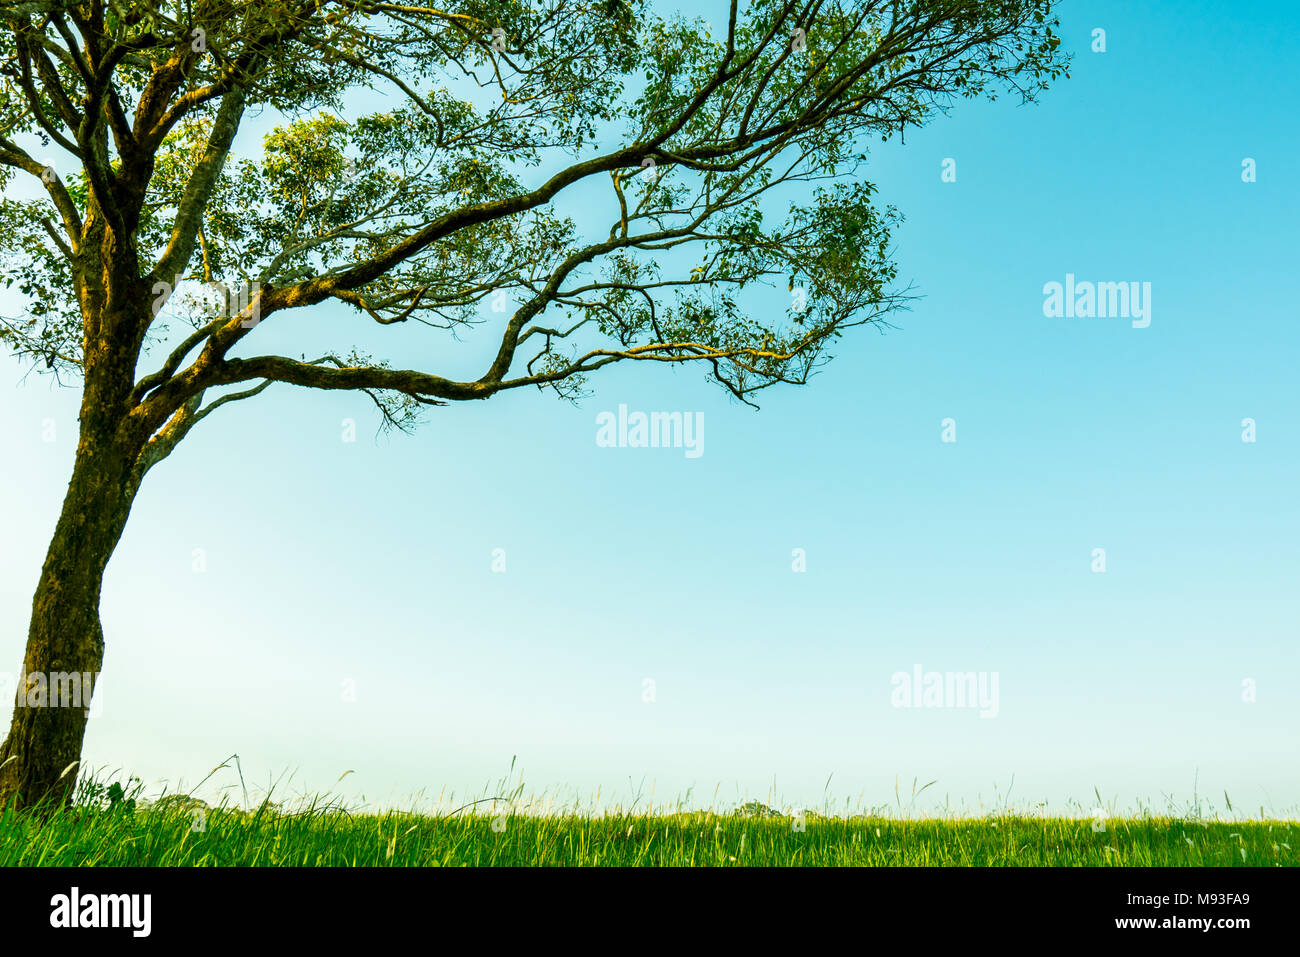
[{"x": 44, "y": 743}]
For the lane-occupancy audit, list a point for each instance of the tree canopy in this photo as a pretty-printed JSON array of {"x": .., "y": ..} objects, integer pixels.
[{"x": 417, "y": 172}]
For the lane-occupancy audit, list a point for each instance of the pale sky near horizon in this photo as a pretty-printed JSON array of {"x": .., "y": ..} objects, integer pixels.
[{"x": 334, "y": 567}]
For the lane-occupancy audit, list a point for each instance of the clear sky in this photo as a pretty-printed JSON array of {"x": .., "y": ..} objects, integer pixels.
[{"x": 367, "y": 566}]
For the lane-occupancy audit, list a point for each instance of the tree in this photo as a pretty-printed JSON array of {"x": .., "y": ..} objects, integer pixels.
[{"x": 413, "y": 177}]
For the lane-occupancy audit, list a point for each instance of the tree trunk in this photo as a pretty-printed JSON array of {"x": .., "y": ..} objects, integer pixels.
[{"x": 65, "y": 636}]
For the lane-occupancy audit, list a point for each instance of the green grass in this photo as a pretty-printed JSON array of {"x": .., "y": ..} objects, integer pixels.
[
  {"x": 113, "y": 825},
  {"x": 168, "y": 837}
]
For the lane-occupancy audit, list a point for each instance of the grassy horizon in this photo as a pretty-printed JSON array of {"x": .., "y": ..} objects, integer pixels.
[
  {"x": 111, "y": 824},
  {"x": 180, "y": 831}
]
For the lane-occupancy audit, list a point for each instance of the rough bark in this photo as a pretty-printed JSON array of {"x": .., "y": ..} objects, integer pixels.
[{"x": 65, "y": 635}]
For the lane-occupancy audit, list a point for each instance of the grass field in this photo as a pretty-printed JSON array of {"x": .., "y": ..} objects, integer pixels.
[
  {"x": 112, "y": 825},
  {"x": 180, "y": 836}
]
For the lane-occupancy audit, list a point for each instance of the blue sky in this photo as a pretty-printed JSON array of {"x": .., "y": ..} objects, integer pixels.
[{"x": 370, "y": 562}]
